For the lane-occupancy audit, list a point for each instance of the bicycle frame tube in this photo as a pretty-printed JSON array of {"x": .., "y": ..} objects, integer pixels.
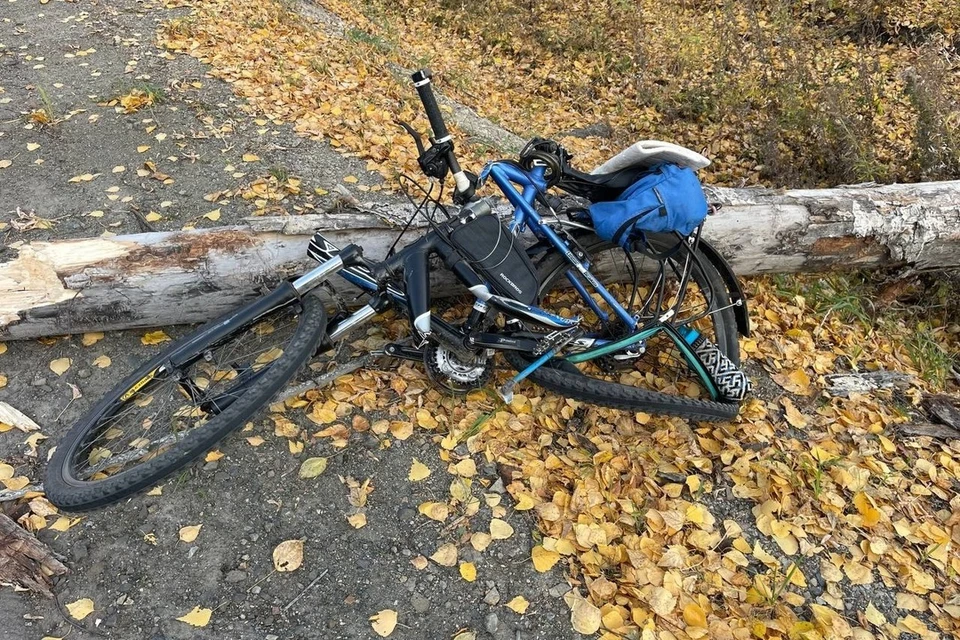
[{"x": 505, "y": 175}]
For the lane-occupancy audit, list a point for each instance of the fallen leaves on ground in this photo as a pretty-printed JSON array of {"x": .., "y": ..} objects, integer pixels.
[
  {"x": 311, "y": 467},
  {"x": 190, "y": 532},
  {"x": 446, "y": 555},
  {"x": 81, "y": 608},
  {"x": 519, "y": 604},
  {"x": 288, "y": 555},
  {"x": 197, "y": 617},
  {"x": 384, "y": 622},
  {"x": 154, "y": 337}
]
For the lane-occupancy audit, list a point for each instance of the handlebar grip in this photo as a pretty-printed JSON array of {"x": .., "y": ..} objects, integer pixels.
[{"x": 421, "y": 81}]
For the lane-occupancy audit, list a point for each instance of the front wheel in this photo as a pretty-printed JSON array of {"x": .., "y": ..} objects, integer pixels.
[
  {"x": 654, "y": 377},
  {"x": 183, "y": 401}
]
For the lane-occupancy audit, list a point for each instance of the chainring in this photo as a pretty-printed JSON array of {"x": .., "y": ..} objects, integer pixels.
[{"x": 448, "y": 371}]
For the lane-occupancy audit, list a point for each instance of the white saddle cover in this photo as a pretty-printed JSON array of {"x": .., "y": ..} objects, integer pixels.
[{"x": 649, "y": 152}]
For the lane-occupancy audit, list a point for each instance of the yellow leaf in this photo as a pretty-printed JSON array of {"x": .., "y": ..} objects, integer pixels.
[
  {"x": 288, "y": 556},
  {"x": 102, "y": 361},
  {"x": 426, "y": 420},
  {"x": 212, "y": 215},
  {"x": 312, "y": 467},
  {"x": 190, "y": 533},
  {"x": 384, "y": 622},
  {"x": 250, "y": 157},
  {"x": 156, "y": 491},
  {"x": 32, "y": 146},
  {"x": 154, "y": 337},
  {"x": 153, "y": 216},
  {"x": 694, "y": 615},
  {"x": 357, "y": 520},
  {"x": 6, "y": 471},
  {"x": 662, "y": 601},
  {"x": 213, "y": 456},
  {"x": 543, "y": 560},
  {"x": 63, "y": 523},
  {"x": 525, "y": 502},
  {"x": 480, "y": 540},
  {"x": 401, "y": 430},
  {"x": 197, "y": 617},
  {"x": 500, "y": 529},
  {"x": 874, "y": 616},
  {"x": 519, "y": 604},
  {"x": 80, "y": 609},
  {"x": 446, "y": 555},
  {"x": 60, "y": 365},
  {"x": 351, "y": 179},
  {"x": 438, "y": 511},
  {"x": 3, "y": 380},
  {"x": 5, "y": 163},
  {"x": 143, "y": 148},
  {"x": 418, "y": 471},
  {"x": 468, "y": 571},
  {"x": 119, "y": 168},
  {"x": 864, "y": 504},
  {"x": 3, "y": 347},
  {"x": 255, "y": 441},
  {"x": 466, "y": 468},
  {"x": 584, "y": 617},
  {"x": 420, "y": 563}
]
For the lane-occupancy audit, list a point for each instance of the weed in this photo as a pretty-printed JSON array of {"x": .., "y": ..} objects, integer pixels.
[
  {"x": 45, "y": 115},
  {"x": 280, "y": 173},
  {"x": 933, "y": 362},
  {"x": 371, "y": 40}
]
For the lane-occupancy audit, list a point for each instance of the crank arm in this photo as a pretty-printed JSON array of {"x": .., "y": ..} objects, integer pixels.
[{"x": 403, "y": 352}]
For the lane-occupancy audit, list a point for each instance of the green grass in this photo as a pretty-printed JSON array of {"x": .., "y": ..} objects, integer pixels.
[
  {"x": 845, "y": 296},
  {"x": 933, "y": 362}
]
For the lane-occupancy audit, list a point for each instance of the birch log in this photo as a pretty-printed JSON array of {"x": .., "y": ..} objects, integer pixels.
[{"x": 157, "y": 279}]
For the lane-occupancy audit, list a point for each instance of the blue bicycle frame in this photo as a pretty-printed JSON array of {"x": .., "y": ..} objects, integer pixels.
[{"x": 525, "y": 216}]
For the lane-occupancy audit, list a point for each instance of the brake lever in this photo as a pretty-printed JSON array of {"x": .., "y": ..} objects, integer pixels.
[{"x": 413, "y": 134}]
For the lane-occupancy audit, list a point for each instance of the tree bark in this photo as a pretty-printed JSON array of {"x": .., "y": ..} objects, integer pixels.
[
  {"x": 24, "y": 560},
  {"x": 156, "y": 279}
]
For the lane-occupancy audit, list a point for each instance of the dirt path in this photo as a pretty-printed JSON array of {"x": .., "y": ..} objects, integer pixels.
[{"x": 192, "y": 152}]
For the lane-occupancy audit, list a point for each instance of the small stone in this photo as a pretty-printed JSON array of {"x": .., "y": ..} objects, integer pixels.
[
  {"x": 420, "y": 603},
  {"x": 83, "y": 373},
  {"x": 255, "y": 590},
  {"x": 559, "y": 590},
  {"x": 497, "y": 486},
  {"x": 235, "y": 576},
  {"x": 492, "y": 596},
  {"x": 491, "y": 623},
  {"x": 39, "y": 382},
  {"x": 254, "y": 537},
  {"x": 212, "y": 465}
]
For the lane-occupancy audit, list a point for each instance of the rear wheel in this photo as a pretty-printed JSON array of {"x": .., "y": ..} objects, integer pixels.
[
  {"x": 655, "y": 377},
  {"x": 165, "y": 415}
]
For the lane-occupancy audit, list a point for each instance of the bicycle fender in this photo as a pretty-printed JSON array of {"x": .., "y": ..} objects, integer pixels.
[{"x": 734, "y": 289}]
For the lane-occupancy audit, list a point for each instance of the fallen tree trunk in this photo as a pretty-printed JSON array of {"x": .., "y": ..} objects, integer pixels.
[{"x": 156, "y": 279}]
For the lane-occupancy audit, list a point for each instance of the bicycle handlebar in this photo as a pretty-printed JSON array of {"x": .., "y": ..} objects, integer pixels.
[{"x": 421, "y": 81}]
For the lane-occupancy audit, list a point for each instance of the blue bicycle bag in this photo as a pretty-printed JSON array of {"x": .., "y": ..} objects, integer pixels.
[{"x": 667, "y": 198}]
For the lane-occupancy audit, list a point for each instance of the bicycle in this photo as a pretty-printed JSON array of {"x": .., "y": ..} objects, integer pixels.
[{"x": 660, "y": 337}]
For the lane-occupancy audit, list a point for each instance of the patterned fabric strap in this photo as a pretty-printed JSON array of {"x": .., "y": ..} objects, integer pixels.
[{"x": 732, "y": 383}]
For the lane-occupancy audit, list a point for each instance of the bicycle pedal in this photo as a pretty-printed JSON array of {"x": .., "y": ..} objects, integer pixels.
[
  {"x": 556, "y": 340},
  {"x": 506, "y": 392}
]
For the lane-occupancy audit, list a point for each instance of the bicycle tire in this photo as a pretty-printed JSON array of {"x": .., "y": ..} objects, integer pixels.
[
  {"x": 65, "y": 490},
  {"x": 568, "y": 381}
]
